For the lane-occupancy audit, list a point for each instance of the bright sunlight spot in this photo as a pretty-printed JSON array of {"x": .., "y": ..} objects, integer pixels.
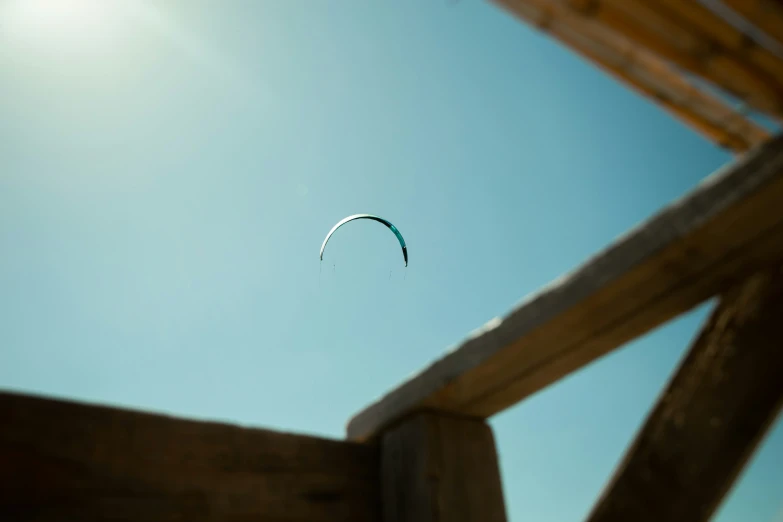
[{"x": 62, "y": 25}]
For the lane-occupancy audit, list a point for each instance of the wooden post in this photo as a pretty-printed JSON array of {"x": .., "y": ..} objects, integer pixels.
[
  {"x": 725, "y": 395},
  {"x": 439, "y": 468}
]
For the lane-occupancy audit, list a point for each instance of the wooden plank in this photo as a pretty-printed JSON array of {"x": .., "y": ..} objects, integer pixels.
[
  {"x": 67, "y": 461},
  {"x": 642, "y": 71},
  {"x": 717, "y": 32},
  {"x": 723, "y": 398},
  {"x": 655, "y": 27},
  {"x": 437, "y": 468},
  {"x": 765, "y": 15},
  {"x": 730, "y": 225}
]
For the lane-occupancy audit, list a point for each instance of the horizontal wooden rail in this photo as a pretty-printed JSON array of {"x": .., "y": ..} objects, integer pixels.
[
  {"x": 67, "y": 461},
  {"x": 729, "y": 226}
]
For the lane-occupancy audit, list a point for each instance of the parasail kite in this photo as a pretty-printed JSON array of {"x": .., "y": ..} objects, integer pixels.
[{"x": 374, "y": 218}]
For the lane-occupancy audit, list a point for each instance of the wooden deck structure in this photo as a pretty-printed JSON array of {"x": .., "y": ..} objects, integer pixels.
[{"x": 424, "y": 452}]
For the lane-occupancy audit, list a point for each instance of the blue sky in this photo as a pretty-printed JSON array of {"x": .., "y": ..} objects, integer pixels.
[{"x": 169, "y": 172}]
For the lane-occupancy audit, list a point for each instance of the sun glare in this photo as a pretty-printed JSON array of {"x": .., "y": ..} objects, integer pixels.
[{"x": 60, "y": 24}]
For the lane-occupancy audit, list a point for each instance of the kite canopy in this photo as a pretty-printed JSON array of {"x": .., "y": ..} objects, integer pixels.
[{"x": 374, "y": 218}]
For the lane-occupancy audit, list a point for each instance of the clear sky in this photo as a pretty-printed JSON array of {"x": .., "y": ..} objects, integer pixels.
[{"x": 168, "y": 172}]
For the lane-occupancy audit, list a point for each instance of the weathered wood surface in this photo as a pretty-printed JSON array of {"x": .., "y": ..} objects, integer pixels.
[
  {"x": 766, "y": 15},
  {"x": 641, "y": 69},
  {"x": 438, "y": 468},
  {"x": 63, "y": 461},
  {"x": 696, "y": 39},
  {"x": 730, "y": 225},
  {"x": 724, "y": 396}
]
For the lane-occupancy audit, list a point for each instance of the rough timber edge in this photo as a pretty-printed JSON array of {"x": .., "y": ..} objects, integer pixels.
[{"x": 726, "y": 187}]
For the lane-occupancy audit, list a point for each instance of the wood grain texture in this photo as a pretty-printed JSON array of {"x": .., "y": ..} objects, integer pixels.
[
  {"x": 746, "y": 70},
  {"x": 643, "y": 71},
  {"x": 729, "y": 226},
  {"x": 724, "y": 396},
  {"x": 64, "y": 461},
  {"x": 437, "y": 468},
  {"x": 766, "y": 15}
]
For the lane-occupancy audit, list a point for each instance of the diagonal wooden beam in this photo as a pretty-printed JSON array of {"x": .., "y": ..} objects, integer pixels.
[
  {"x": 61, "y": 460},
  {"x": 662, "y": 27},
  {"x": 765, "y": 15},
  {"x": 704, "y": 19},
  {"x": 643, "y": 71},
  {"x": 724, "y": 396},
  {"x": 729, "y": 226}
]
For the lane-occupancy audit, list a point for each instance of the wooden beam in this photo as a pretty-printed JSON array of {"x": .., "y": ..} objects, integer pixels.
[
  {"x": 724, "y": 396},
  {"x": 668, "y": 34},
  {"x": 437, "y": 468},
  {"x": 729, "y": 226},
  {"x": 68, "y": 461},
  {"x": 642, "y": 71},
  {"x": 766, "y": 15},
  {"x": 717, "y": 32}
]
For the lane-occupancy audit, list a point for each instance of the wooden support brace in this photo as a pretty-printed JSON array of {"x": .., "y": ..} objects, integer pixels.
[
  {"x": 728, "y": 228},
  {"x": 724, "y": 396},
  {"x": 438, "y": 468}
]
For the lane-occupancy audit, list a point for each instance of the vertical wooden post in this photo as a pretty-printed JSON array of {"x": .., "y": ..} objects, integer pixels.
[{"x": 439, "y": 468}]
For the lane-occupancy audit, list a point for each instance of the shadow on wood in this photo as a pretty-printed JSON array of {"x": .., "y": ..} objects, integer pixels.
[{"x": 67, "y": 461}]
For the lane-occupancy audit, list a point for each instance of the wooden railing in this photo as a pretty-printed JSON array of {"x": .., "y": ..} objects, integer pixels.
[{"x": 424, "y": 452}]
